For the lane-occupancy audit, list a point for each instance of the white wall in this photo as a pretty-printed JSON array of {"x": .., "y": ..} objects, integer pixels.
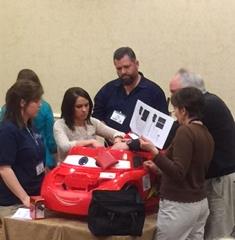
[{"x": 71, "y": 42}]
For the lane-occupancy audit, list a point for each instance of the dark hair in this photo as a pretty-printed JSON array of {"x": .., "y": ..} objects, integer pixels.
[
  {"x": 191, "y": 99},
  {"x": 29, "y": 75},
  {"x": 20, "y": 90},
  {"x": 68, "y": 103},
  {"x": 122, "y": 51}
]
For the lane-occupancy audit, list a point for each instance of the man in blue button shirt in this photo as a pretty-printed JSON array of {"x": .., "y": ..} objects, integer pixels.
[{"x": 115, "y": 102}]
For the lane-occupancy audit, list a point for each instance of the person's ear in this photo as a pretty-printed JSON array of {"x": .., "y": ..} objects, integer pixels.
[
  {"x": 184, "y": 111},
  {"x": 22, "y": 103},
  {"x": 137, "y": 63}
]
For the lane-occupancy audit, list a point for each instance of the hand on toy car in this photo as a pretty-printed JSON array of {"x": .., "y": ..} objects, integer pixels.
[
  {"x": 120, "y": 145},
  {"x": 91, "y": 143},
  {"x": 150, "y": 165}
]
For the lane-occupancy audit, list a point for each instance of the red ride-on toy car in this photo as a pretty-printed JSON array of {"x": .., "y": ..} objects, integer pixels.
[{"x": 68, "y": 188}]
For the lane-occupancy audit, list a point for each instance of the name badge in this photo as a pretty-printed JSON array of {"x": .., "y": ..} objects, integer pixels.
[
  {"x": 40, "y": 168},
  {"x": 118, "y": 117}
]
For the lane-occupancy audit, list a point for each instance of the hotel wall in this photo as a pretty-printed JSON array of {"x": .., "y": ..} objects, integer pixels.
[{"x": 71, "y": 42}]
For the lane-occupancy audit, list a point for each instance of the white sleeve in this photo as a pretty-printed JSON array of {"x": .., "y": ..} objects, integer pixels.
[
  {"x": 105, "y": 131},
  {"x": 61, "y": 131}
]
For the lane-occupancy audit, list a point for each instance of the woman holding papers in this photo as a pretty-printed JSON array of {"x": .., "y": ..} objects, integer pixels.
[
  {"x": 183, "y": 206},
  {"x": 76, "y": 126},
  {"x": 22, "y": 154}
]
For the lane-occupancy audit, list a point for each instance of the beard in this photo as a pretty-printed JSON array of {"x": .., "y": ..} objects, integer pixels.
[{"x": 127, "y": 80}]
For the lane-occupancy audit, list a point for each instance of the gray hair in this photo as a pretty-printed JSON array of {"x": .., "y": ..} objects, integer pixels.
[{"x": 190, "y": 79}]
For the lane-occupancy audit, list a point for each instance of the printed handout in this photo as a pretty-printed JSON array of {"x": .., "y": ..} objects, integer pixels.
[{"x": 151, "y": 124}]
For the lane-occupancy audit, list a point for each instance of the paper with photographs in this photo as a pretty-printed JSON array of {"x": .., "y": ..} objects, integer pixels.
[{"x": 151, "y": 124}]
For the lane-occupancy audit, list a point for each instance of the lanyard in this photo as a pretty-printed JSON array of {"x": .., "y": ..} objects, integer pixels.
[{"x": 32, "y": 136}]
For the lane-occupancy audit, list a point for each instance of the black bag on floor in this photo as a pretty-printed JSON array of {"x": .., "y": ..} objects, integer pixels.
[{"x": 116, "y": 213}]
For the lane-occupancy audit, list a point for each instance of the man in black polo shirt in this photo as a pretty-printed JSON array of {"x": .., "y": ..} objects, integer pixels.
[{"x": 115, "y": 102}]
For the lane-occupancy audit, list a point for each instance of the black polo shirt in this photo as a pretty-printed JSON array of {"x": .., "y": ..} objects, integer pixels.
[{"x": 23, "y": 151}]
